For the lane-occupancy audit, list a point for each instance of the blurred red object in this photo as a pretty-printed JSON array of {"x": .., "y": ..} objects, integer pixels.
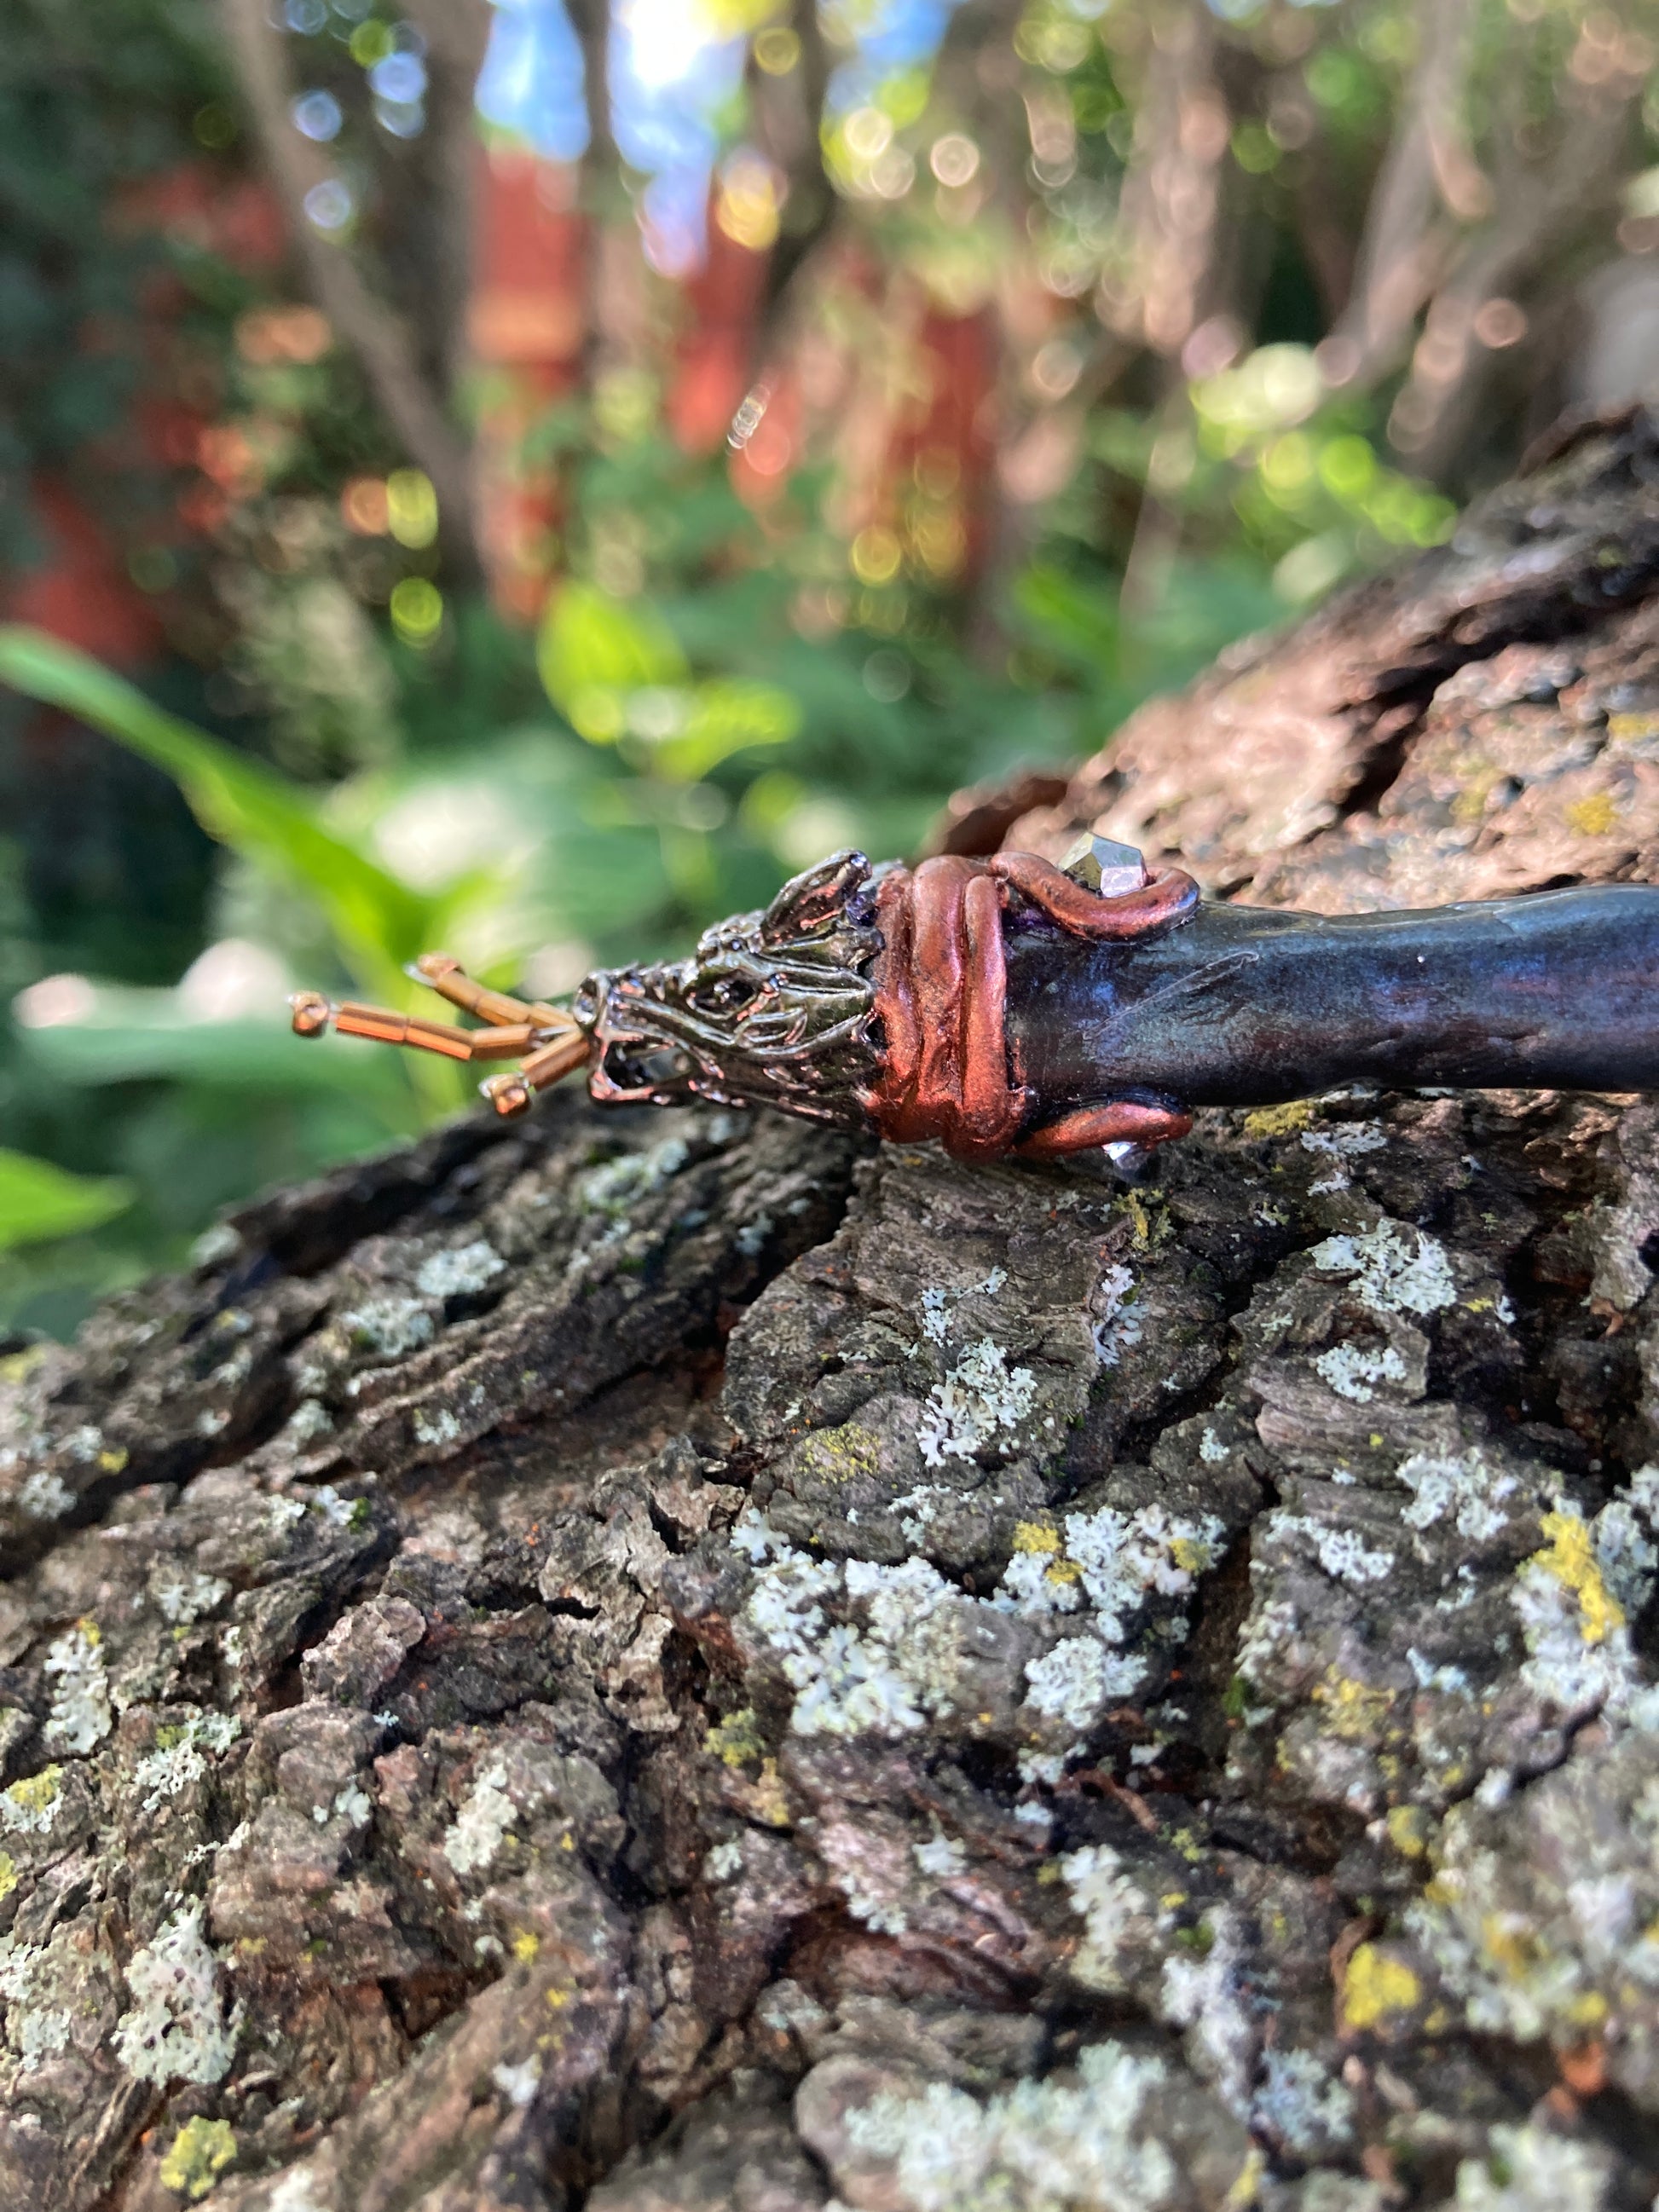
[
  {"x": 715, "y": 364},
  {"x": 526, "y": 326},
  {"x": 81, "y": 591}
]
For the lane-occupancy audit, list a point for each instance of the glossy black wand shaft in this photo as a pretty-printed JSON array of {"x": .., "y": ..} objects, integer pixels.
[{"x": 1244, "y": 1006}]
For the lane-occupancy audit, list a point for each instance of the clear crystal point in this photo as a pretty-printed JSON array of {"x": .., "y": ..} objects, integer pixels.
[{"x": 1101, "y": 864}]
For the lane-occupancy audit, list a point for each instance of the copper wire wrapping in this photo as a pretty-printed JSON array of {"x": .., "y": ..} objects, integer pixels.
[{"x": 941, "y": 997}]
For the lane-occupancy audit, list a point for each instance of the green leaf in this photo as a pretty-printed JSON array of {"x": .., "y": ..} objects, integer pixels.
[
  {"x": 379, "y": 922},
  {"x": 38, "y": 1201},
  {"x": 592, "y": 650},
  {"x": 728, "y": 714},
  {"x": 246, "y": 1056}
]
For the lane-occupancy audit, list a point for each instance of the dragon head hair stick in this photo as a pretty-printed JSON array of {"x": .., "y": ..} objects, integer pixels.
[{"x": 1008, "y": 1005}]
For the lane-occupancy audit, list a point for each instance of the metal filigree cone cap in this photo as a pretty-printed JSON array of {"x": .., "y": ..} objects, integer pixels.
[
  {"x": 773, "y": 1008},
  {"x": 1006, "y": 1005}
]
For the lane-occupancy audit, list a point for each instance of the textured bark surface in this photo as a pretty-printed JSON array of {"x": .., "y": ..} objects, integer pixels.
[{"x": 675, "y": 1663}]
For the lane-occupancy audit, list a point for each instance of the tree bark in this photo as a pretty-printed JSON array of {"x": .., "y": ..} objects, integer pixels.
[{"x": 677, "y": 1662}]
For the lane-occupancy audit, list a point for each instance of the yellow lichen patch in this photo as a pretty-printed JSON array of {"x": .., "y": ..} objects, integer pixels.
[
  {"x": 201, "y": 2151},
  {"x": 1374, "y": 1986},
  {"x": 1571, "y": 1558},
  {"x": 1191, "y": 1553},
  {"x": 840, "y": 1455},
  {"x": 526, "y": 1944},
  {"x": 1063, "y": 1572},
  {"x": 1246, "y": 2187},
  {"x": 1358, "y": 1714},
  {"x": 557, "y": 1999},
  {"x": 8, "y": 1873},
  {"x": 1408, "y": 1829},
  {"x": 1135, "y": 1207},
  {"x": 1587, "y": 2010},
  {"x": 1280, "y": 1121},
  {"x": 18, "y": 1366},
  {"x": 1510, "y": 1943},
  {"x": 1036, "y": 1536},
  {"x": 36, "y": 1794},
  {"x": 768, "y": 1799},
  {"x": 736, "y": 1738},
  {"x": 1633, "y": 729},
  {"x": 1593, "y": 816},
  {"x": 114, "y": 1460}
]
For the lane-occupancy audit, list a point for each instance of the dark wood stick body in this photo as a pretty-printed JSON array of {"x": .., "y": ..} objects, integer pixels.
[{"x": 1244, "y": 1006}]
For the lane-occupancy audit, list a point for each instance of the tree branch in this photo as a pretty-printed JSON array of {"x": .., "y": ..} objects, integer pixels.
[
  {"x": 456, "y": 33},
  {"x": 788, "y": 113},
  {"x": 1397, "y": 261},
  {"x": 374, "y": 333}
]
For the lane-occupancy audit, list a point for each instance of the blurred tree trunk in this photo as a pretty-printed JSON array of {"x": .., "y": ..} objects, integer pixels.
[
  {"x": 415, "y": 383},
  {"x": 415, "y": 1799}
]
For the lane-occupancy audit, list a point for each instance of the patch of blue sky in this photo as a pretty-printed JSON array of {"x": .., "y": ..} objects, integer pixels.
[
  {"x": 671, "y": 73},
  {"x": 532, "y": 80},
  {"x": 886, "y": 36}
]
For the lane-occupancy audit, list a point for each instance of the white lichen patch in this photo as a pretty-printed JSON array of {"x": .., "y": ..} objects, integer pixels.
[
  {"x": 436, "y": 1426},
  {"x": 177, "y": 1760},
  {"x": 1343, "y": 1553},
  {"x": 1576, "y": 1630},
  {"x": 616, "y": 1184},
  {"x": 1468, "y": 1488},
  {"x": 353, "y": 1805},
  {"x": 941, "y": 1855},
  {"x": 1527, "y": 1965},
  {"x": 1625, "y": 1547},
  {"x": 389, "y": 1328},
  {"x": 1040, "y": 2147},
  {"x": 483, "y": 1824},
  {"x": 938, "y": 1303},
  {"x": 182, "y": 1594},
  {"x": 1204, "y": 1992},
  {"x": 1302, "y": 2105},
  {"x": 980, "y": 1399},
  {"x": 80, "y": 1718},
  {"x": 518, "y": 2084},
  {"x": 295, "y": 2191},
  {"x": 875, "y": 1649},
  {"x": 44, "y": 1495},
  {"x": 38, "y": 2021},
  {"x": 1340, "y": 1145},
  {"x": 1120, "y": 1919},
  {"x": 175, "y": 2029},
  {"x": 1110, "y": 1562},
  {"x": 893, "y": 1659},
  {"x": 1353, "y": 1370},
  {"x": 1533, "y": 2169},
  {"x": 461, "y": 1271},
  {"x": 310, "y": 1419},
  {"x": 1079, "y": 1677},
  {"x": 919, "y": 1509},
  {"x": 1394, "y": 1269},
  {"x": 724, "y": 1860},
  {"x": 870, "y": 1905},
  {"x": 1113, "y": 1329}
]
